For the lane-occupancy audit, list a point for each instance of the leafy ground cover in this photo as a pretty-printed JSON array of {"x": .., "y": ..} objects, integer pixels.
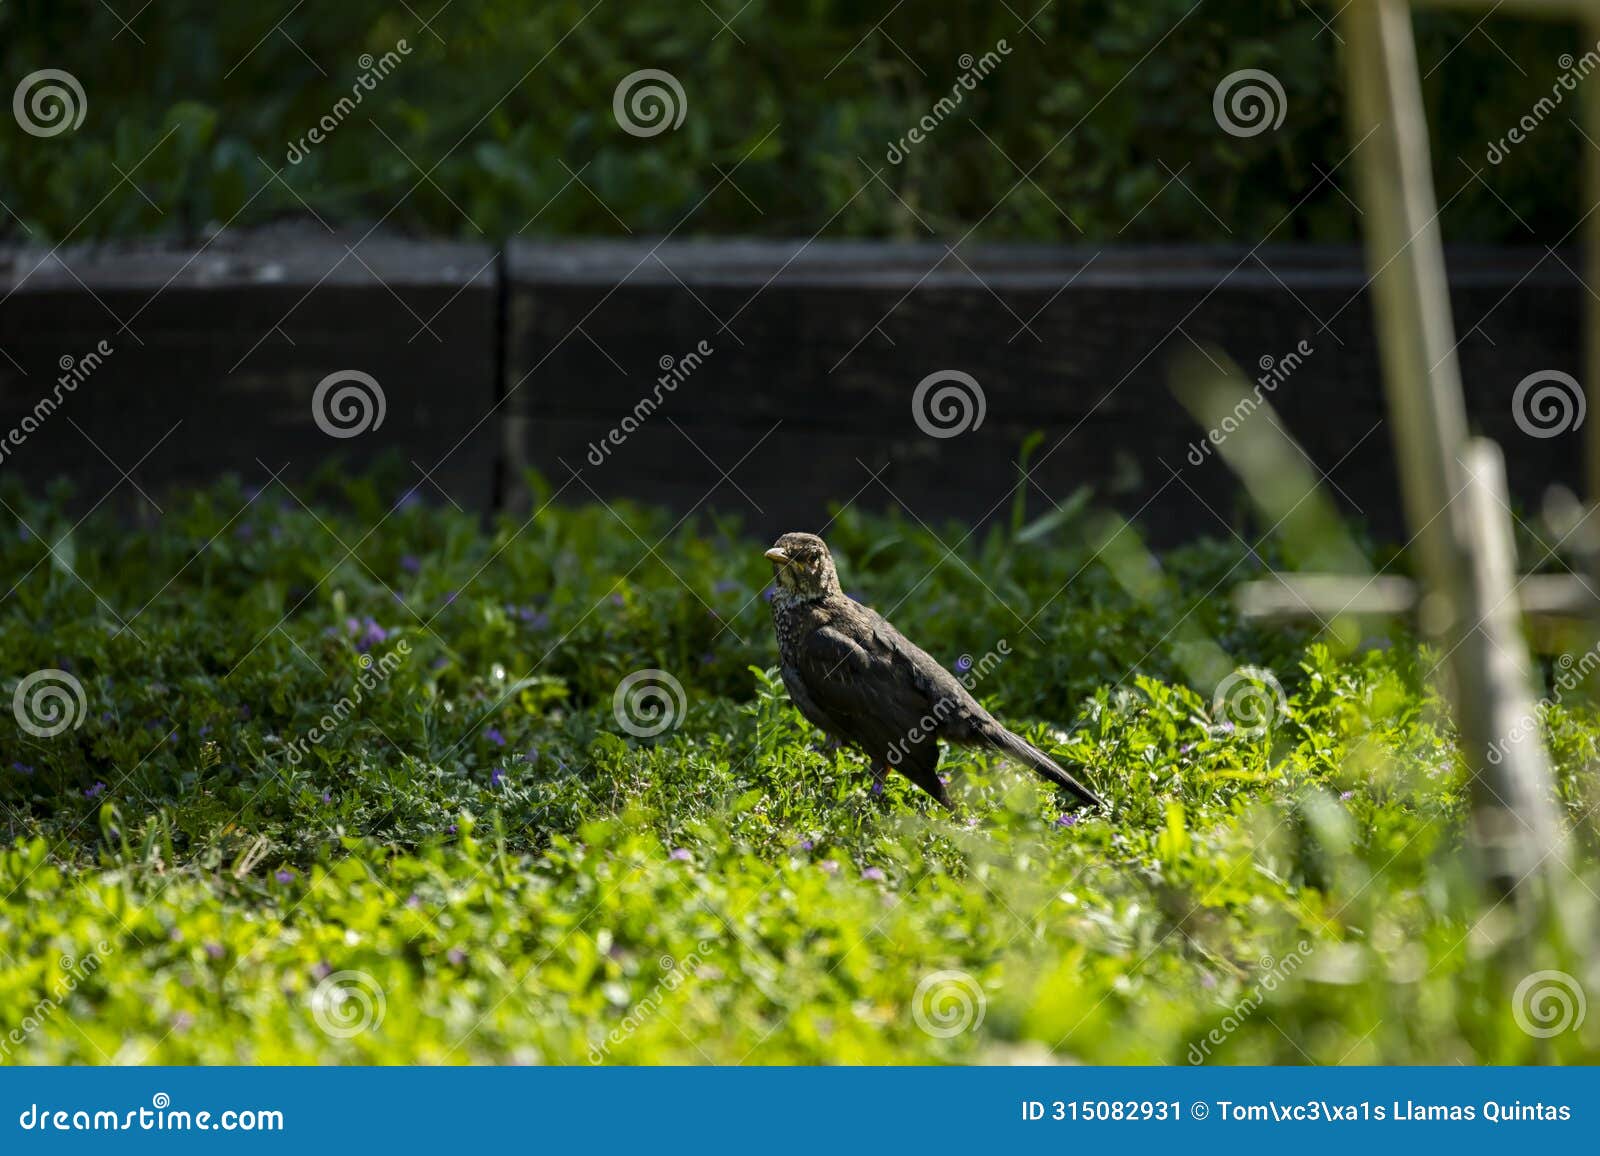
[
  {"x": 1078, "y": 121},
  {"x": 350, "y": 781}
]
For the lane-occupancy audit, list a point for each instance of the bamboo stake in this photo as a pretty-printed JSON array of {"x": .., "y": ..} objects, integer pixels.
[{"x": 1463, "y": 547}]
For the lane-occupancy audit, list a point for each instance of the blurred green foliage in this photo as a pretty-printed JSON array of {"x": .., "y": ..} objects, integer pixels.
[
  {"x": 1097, "y": 126},
  {"x": 523, "y": 880}
]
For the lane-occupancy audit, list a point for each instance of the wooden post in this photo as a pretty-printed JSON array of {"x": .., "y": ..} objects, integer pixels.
[
  {"x": 1516, "y": 827},
  {"x": 1422, "y": 379},
  {"x": 1463, "y": 546}
]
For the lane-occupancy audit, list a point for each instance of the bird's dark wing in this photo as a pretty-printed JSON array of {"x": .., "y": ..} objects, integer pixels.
[
  {"x": 939, "y": 691},
  {"x": 858, "y": 677},
  {"x": 960, "y": 717},
  {"x": 795, "y": 683}
]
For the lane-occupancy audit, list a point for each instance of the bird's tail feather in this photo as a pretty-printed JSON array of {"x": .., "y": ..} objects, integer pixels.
[{"x": 1024, "y": 752}]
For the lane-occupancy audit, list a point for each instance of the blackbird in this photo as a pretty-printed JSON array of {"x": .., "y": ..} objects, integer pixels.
[{"x": 864, "y": 683}]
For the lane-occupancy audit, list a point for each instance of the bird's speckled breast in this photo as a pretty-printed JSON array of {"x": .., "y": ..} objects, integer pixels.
[{"x": 791, "y": 618}]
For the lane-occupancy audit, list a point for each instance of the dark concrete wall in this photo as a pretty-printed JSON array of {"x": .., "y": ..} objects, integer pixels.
[
  {"x": 492, "y": 362},
  {"x": 216, "y": 358},
  {"x": 819, "y": 349}
]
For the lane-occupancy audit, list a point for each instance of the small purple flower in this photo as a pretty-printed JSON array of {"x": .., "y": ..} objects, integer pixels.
[
  {"x": 1186, "y": 748},
  {"x": 496, "y": 777},
  {"x": 407, "y": 499},
  {"x": 327, "y": 796},
  {"x": 451, "y": 597},
  {"x": 215, "y": 950},
  {"x": 95, "y": 791},
  {"x": 1067, "y": 821},
  {"x": 22, "y": 768},
  {"x": 285, "y": 875},
  {"x": 365, "y": 632},
  {"x": 244, "y": 710},
  {"x": 618, "y": 600},
  {"x": 875, "y": 874},
  {"x": 413, "y": 901},
  {"x": 681, "y": 854},
  {"x": 806, "y": 844},
  {"x": 410, "y": 563},
  {"x": 440, "y": 663},
  {"x": 1346, "y": 795},
  {"x": 724, "y": 586},
  {"x": 830, "y": 866},
  {"x": 321, "y": 970},
  {"x": 452, "y": 828},
  {"x": 205, "y": 729},
  {"x": 494, "y": 736},
  {"x": 456, "y": 956},
  {"x": 530, "y": 757},
  {"x": 707, "y": 658},
  {"x": 877, "y": 787}
]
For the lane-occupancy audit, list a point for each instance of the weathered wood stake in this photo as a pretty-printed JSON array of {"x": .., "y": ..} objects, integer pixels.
[{"x": 1453, "y": 490}]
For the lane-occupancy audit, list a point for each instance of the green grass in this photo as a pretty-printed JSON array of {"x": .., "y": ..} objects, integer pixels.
[{"x": 521, "y": 879}]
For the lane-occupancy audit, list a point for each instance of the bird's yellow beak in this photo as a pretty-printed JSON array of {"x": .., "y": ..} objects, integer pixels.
[{"x": 776, "y": 555}]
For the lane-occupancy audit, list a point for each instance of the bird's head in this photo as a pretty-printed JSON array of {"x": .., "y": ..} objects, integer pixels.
[{"x": 802, "y": 567}]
